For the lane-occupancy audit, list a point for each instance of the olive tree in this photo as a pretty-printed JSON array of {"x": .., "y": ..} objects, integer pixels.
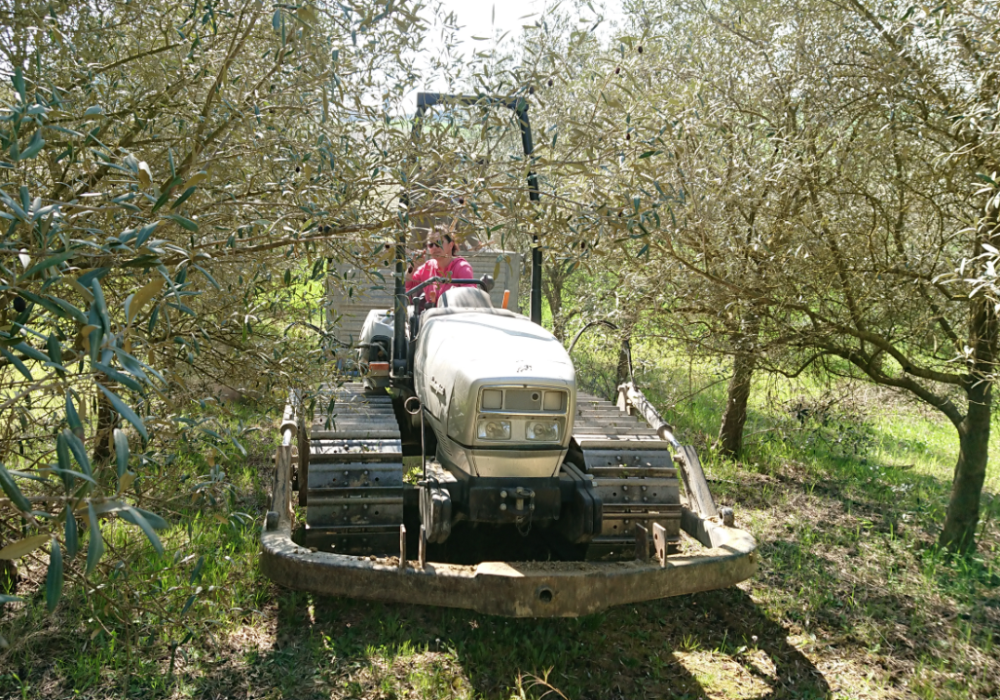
[
  {"x": 167, "y": 172},
  {"x": 803, "y": 182},
  {"x": 879, "y": 123}
]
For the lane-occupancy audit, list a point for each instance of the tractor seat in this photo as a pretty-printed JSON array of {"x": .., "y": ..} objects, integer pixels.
[
  {"x": 457, "y": 300},
  {"x": 465, "y": 298}
]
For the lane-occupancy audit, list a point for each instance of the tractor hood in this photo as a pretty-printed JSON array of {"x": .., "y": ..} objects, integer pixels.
[{"x": 460, "y": 351}]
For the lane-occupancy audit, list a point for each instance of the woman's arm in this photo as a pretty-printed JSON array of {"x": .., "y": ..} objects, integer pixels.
[{"x": 412, "y": 278}]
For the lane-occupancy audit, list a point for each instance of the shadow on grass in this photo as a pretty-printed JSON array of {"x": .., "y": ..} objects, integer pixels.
[{"x": 662, "y": 649}]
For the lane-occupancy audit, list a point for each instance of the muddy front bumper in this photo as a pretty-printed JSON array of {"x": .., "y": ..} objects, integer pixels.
[{"x": 514, "y": 589}]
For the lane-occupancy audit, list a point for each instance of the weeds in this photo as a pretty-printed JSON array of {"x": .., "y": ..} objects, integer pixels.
[{"x": 531, "y": 683}]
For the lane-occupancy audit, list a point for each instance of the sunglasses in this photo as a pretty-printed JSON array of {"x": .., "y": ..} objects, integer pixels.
[{"x": 437, "y": 244}]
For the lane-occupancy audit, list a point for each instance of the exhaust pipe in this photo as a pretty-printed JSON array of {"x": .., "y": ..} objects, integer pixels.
[
  {"x": 521, "y": 109},
  {"x": 536, "y": 282}
]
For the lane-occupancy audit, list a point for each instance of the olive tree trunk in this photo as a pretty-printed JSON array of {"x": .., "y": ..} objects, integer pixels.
[
  {"x": 735, "y": 416},
  {"x": 959, "y": 533},
  {"x": 553, "y": 285},
  {"x": 623, "y": 372}
]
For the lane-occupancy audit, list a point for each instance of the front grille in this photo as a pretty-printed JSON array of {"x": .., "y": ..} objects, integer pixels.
[{"x": 522, "y": 400}]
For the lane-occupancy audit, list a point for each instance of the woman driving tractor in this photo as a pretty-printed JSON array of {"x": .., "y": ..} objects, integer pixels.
[{"x": 442, "y": 249}]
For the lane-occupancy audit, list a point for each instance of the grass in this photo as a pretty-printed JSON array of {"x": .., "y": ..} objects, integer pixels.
[{"x": 843, "y": 486}]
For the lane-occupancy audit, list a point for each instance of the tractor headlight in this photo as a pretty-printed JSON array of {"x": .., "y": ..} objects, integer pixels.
[
  {"x": 543, "y": 430},
  {"x": 493, "y": 429}
]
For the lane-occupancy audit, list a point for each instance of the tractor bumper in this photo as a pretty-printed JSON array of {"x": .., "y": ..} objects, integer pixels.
[{"x": 514, "y": 589}]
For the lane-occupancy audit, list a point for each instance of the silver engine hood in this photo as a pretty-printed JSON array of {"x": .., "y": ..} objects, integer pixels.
[{"x": 461, "y": 351}]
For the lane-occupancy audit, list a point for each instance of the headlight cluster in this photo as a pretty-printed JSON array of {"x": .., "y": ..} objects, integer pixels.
[
  {"x": 494, "y": 429},
  {"x": 518, "y": 414},
  {"x": 543, "y": 430}
]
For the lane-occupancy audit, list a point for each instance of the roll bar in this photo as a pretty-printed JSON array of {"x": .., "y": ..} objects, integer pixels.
[
  {"x": 425, "y": 101},
  {"x": 518, "y": 105}
]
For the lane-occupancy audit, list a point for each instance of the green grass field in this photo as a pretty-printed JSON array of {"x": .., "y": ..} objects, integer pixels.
[{"x": 843, "y": 485}]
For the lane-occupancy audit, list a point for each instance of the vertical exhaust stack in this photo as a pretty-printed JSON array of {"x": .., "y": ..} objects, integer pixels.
[
  {"x": 535, "y": 313},
  {"x": 536, "y": 281}
]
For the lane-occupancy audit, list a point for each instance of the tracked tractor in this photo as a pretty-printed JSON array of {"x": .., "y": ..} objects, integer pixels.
[{"x": 521, "y": 494}]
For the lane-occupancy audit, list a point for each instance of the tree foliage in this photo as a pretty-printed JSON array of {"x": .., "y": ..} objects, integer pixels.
[
  {"x": 804, "y": 181},
  {"x": 167, "y": 173}
]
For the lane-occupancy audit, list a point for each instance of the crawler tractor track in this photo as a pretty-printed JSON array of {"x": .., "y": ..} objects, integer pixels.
[
  {"x": 631, "y": 470},
  {"x": 353, "y": 479},
  {"x": 609, "y": 450}
]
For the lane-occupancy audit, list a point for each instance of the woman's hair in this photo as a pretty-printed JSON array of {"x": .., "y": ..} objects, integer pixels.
[{"x": 445, "y": 232}]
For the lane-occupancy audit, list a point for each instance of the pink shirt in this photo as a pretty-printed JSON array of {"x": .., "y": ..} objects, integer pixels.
[{"x": 458, "y": 268}]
